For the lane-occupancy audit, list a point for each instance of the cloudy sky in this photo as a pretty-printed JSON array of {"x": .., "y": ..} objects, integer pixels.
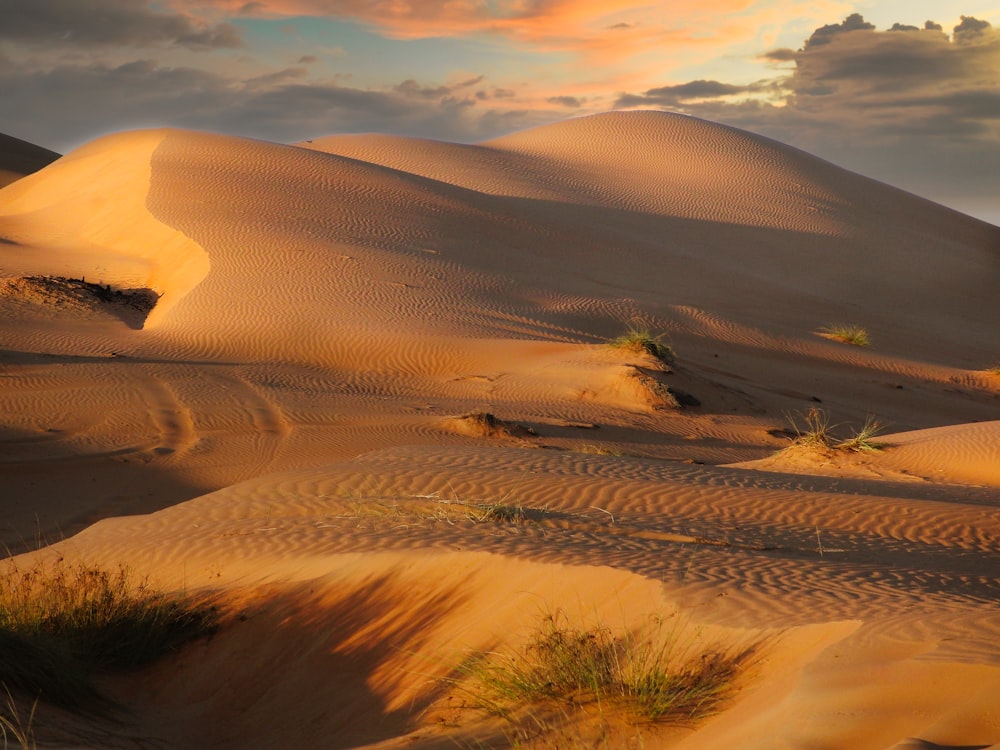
[{"x": 907, "y": 91}]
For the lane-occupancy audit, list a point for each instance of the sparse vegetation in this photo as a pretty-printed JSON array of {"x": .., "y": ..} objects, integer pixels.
[
  {"x": 817, "y": 432},
  {"x": 598, "y": 449},
  {"x": 401, "y": 510},
  {"x": 62, "y": 624},
  {"x": 847, "y": 333},
  {"x": 639, "y": 339},
  {"x": 638, "y": 677},
  {"x": 497, "y": 511},
  {"x": 863, "y": 439},
  {"x": 14, "y": 728}
]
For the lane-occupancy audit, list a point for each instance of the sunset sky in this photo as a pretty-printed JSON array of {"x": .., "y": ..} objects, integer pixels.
[{"x": 917, "y": 105}]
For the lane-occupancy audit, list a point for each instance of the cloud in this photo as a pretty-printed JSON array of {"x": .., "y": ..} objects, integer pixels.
[
  {"x": 912, "y": 106},
  {"x": 596, "y": 29},
  {"x": 108, "y": 22},
  {"x": 825, "y": 34},
  {"x": 780, "y": 55},
  {"x": 971, "y": 29},
  {"x": 565, "y": 101},
  {"x": 878, "y": 68},
  {"x": 672, "y": 96},
  {"x": 283, "y": 106}
]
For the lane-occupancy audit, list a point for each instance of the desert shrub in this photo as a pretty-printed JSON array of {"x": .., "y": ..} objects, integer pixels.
[
  {"x": 863, "y": 439},
  {"x": 815, "y": 431},
  {"x": 648, "y": 675},
  {"x": 639, "y": 339},
  {"x": 62, "y": 624}
]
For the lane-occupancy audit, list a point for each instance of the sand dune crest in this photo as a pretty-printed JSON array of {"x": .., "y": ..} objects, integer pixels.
[{"x": 85, "y": 216}]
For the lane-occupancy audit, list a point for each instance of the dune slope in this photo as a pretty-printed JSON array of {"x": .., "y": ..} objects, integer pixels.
[{"x": 361, "y": 389}]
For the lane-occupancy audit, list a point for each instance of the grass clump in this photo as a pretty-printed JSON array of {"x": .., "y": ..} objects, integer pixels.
[
  {"x": 62, "y": 624},
  {"x": 642, "y": 676},
  {"x": 816, "y": 432},
  {"x": 639, "y": 339},
  {"x": 847, "y": 333},
  {"x": 401, "y": 511},
  {"x": 497, "y": 512},
  {"x": 599, "y": 449},
  {"x": 863, "y": 439}
]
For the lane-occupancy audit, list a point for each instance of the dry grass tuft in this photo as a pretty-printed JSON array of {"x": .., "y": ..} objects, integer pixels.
[
  {"x": 599, "y": 449},
  {"x": 62, "y": 624},
  {"x": 15, "y": 728}
]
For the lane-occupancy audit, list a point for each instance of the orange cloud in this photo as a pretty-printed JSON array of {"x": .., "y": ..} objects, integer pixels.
[{"x": 606, "y": 29}]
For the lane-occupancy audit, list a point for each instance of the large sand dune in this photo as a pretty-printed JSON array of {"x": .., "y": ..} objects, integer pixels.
[{"x": 292, "y": 374}]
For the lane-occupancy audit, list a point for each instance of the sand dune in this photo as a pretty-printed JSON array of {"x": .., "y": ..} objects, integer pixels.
[{"x": 355, "y": 346}]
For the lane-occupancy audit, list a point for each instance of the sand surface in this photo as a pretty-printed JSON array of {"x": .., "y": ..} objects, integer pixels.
[{"x": 295, "y": 377}]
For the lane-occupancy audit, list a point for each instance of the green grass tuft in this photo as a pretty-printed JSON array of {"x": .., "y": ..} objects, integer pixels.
[
  {"x": 847, "y": 333},
  {"x": 62, "y": 624},
  {"x": 816, "y": 432},
  {"x": 863, "y": 439},
  {"x": 646, "y": 676},
  {"x": 639, "y": 339}
]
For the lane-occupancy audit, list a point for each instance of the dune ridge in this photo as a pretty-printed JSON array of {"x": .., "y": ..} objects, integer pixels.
[{"x": 375, "y": 410}]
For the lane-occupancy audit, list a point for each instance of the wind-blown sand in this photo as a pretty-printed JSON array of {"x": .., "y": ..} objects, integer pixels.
[{"x": 299, "y": 424}]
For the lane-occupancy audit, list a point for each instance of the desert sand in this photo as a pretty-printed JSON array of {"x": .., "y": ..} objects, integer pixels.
[{"x": 264, "y": 371}]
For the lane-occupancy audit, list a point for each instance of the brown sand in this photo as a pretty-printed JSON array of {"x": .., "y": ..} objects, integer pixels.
[{"x": 298, "y": 424}]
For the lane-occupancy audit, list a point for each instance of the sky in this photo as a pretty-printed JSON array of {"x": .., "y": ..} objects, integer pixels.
[{"x": 905, "y": 91}]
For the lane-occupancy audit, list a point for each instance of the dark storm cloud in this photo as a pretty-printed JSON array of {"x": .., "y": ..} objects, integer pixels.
[{"x": 107, "y": 22}]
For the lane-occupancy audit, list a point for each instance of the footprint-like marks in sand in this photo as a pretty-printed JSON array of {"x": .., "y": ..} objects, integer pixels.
[{"x": 170, "y": 417}]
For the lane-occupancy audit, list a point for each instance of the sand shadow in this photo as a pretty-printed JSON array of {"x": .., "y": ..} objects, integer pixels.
[
  {"x": 347, "y": 661},
  {"x": 130, "y": 305}
]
